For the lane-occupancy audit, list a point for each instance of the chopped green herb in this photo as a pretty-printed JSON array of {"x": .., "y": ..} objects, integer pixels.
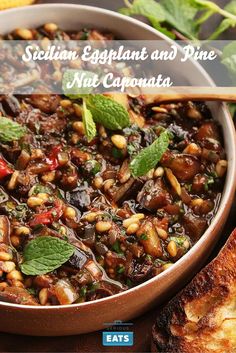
[
  {"x": 143, "y": 237},
  {"x": 89, "y": 124}
]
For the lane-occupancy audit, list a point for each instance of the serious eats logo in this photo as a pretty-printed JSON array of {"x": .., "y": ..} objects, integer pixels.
[{"x": 118, "y": 333}]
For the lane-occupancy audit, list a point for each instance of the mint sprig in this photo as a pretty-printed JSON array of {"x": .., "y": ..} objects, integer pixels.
[
  {"x": 89, "y": 124},
  {"x": 149, "y": 156},
  {"x": 107, "y": 112},
  {"x": 186, "y": 16},
  {"x": 10, "y": 130},
  {"x": 45, "y": 254}
]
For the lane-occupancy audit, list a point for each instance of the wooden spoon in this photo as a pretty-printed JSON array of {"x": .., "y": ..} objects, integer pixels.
[{"x": 181, "y": 94}]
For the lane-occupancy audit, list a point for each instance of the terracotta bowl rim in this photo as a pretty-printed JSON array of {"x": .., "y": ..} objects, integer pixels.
[{"x": 229, "y": 187}]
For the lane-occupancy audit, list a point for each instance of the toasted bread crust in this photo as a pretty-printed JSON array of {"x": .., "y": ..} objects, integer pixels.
[{"x": 202, "y": 318}]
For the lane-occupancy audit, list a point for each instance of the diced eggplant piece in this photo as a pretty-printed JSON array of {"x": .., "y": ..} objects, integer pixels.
[
  {"x": 81, "y": 197},
  {"x": 45, "y": 102},
  {"x": 208, "y": 130},
  {"x": 5, "y": 230},
  {"x": 17, "y": 295},
  {"x": 10, "y": 104},
  {"x": 78, "y": 259},
  {"x": 148, "y": 237},
  {"x": 184, "y": 166},
  {"x": 139, "y": 272},
  {"x": 194, "y": 226},
  {"x": 153, "y": 195},
  {"x": 106, "y": 289},
  {"x": 126, "y": 191}
]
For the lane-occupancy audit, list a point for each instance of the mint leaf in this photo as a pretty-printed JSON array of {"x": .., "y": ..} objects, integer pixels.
[
  {"x": 45, "y": 254},
  {"x": 10, "y": 130},
  {"x": 150, "y": 156},
  {"x": 89, "y": 124},
  {"x": 107, "y": 112},
  {"x": 149, "y": 9},
  {"x": 229, "y": 59},
  {"x": 70, "y": 81},
  {"x": 180, "y": 14},
  {"x": 231, "y": 7}
]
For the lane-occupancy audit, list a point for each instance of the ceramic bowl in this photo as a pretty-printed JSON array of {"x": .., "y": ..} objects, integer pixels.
[{"x": 91, "y": 316}]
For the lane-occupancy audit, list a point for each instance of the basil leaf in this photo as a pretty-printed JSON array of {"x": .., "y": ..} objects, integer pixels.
[
  {"x": 232, "y": 109},
  {"x": 107, "y": 112},
  {"x": 150, "y": 156},
  {"x": 45, "y": 254},
  {"x": 10, "y": 130},
  {"x": 89, "y": 124}
]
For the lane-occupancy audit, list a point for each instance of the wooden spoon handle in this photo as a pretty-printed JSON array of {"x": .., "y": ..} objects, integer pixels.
[{"x": 181, "y": 94}]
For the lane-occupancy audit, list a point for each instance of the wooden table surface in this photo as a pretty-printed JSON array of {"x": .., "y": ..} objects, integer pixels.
[{"x": 92, "y": 342}]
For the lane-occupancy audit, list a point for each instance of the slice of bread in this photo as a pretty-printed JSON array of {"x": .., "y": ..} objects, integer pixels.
[{"x": 202, "y": 318}]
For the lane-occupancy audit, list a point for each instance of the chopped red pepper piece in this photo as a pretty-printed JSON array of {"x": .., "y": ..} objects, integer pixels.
[
  {"x": 4, "y": 169},
  {"x": 48, "y": 217},
  {"x": 52, "y": 159}
]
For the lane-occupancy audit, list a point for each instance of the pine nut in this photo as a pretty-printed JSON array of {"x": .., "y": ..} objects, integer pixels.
[
  {"x": 128, "y": 221},
  {"x": 102, "y": 132},
  {"x": 166, "y": 266},
  {"x": 193, "y": 149},
  {"x": 70, "y": 213},
  {"x": 24, "y": 33},
  {"x": 9, "y": 266},
  {"x": 162, "y": 233},
  {"x": 22, "y": 230},
  {"x": 138, "y": 216},
  {"x": 63, "y": 158},
  {"x": 197, "y": 202},
  {"x": 102, "y": 226},
  {"x": 43, "y": 196},
  {"x": 173, "y": 181},
  {"x": 13, "y": 181},
  {"x": 172, "y": 248},
  {"x": 221, "y": 168},
  {"x": 78, "y": 126},
  {"x": 65, "y": 103},
  {"x": 132, "y": 228},
  {"x": 160, "y": 110},
  {"x": 193, "y": 113},
  {"x": 15, "y": 240},
  {"x": 4, "y": 256},
  {"x": 119, "y": 141},
  {"x": 98, "y": 182},
  {"x": 15, "y": 275},
  {"x": 43, "y": 296},
  {"x": 159, "y": 172},
  {"x": 91, "y": 217},
  {"x": 78, "y": 110},
  {"x": 49, "y": 176},
  {"x": 34, "y": 201},
  {"x": 50, "y": 27}
]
